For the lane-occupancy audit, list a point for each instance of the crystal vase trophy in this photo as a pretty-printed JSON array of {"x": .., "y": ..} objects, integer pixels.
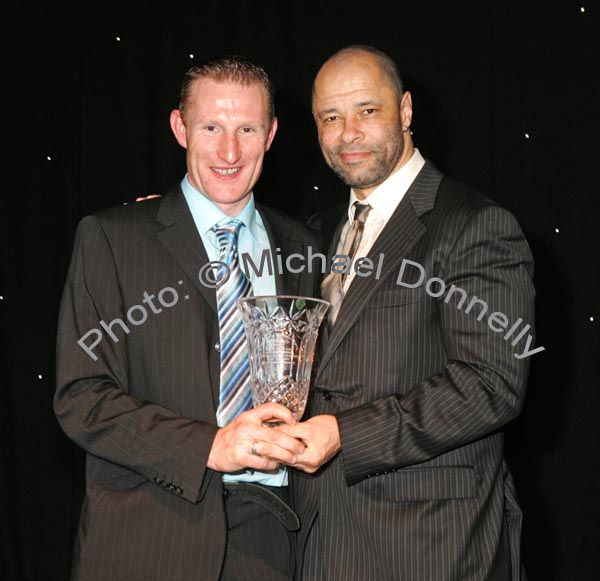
[{"x": 282, "y": 333}]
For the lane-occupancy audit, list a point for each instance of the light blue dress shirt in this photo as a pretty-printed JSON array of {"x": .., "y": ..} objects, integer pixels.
[{"x": 253, "y": 240}]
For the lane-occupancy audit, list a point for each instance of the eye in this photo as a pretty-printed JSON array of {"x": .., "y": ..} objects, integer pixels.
[
  {"x": 210, "y": 128},
  {"x": 247, "y": 130},
  {"x": 369, "y": 111},
  {"x": 330, "y": 119}
]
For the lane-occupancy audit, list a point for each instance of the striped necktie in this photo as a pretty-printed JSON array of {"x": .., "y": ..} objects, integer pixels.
[
  {"x": 332, "y": 287},
  {"x": 235, "y": 395}
]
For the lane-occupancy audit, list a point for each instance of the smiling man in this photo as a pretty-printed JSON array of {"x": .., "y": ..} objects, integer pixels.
[
  {"x": 183, "y": 481},
  {"x": 403, "y": 476}
]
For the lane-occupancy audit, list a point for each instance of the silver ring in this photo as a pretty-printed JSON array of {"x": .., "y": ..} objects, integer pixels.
[{"x": 253, "y": 449}]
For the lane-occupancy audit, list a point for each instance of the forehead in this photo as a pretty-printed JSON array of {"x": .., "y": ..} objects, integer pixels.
[
  {"x": 355, "y": 76},
  {"x": 210, "y": 96}
]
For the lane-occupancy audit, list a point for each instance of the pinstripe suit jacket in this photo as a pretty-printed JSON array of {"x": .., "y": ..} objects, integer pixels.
[
  {"x": 421, "y": 390},
  {"x": 145, "y": 410}
]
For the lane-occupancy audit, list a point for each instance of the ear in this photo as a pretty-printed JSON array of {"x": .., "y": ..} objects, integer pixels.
[
  {"x": 178, "y": 127},
  {"x": 406, "y": 110},
  {"x": 271, "y": 134}
]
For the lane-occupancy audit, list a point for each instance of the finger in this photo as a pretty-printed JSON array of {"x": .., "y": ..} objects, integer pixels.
[
  {"x": 275, "y": 453},
  {"x": 270, "y": 410},
  {"x": 310, "y": 461},
  {"x": 149, "y": 197},
  {"x": 299, "y": 430},
  {"x": 267, "y": 411},
  {"x": 262, "y": 464},
  {"x": 309, "y": 469},
  {"x": 283, "y": 440},
  {"x": 249, "y": 455}
]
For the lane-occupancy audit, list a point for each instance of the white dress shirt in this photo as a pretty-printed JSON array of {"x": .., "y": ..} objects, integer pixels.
[
  {"x": 253, "y": 240},
  {"x": 384, "y": 200}
]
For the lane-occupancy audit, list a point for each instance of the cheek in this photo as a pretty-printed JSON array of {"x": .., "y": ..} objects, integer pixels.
[
  {"x": 326, "y": 139},
  {"x": 383, "y": 140},
  {"x": 251, "y": 151},
  {"x": 196, "y": 148},
  {"x": 257, "y": 162}
]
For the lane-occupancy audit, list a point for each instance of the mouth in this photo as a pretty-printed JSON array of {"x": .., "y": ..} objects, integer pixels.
[
  {"x": 354, "y": 156},
  {"x": 226, "y": 172}
]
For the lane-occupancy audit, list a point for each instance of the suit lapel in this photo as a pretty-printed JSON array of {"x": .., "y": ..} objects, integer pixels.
[
  {"x": 400, "y": 234},
  {"x": 337, "y": 233},
  {"x": 181, "y": 240},
  {"x": 287, "y": 283}
]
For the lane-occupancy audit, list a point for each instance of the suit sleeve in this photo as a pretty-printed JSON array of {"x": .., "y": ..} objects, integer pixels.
[
  {"x": 92, "y": 402},
  {"x": 483, "y": 384}
]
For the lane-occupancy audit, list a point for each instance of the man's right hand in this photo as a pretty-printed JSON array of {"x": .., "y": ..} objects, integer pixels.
[
  {"x": 246, "y": 443},
  {"x": 148, "y": 197}
]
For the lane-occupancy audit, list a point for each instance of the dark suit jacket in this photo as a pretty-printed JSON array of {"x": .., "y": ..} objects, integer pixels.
[
  {"x": 145, "y": 410},
  {"x": 421, "y": 390}
]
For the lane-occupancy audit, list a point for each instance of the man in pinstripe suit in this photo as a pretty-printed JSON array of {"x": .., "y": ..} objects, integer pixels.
[
  {"x": 138, "y": 364},
  {"x": 403, "y": 476}
]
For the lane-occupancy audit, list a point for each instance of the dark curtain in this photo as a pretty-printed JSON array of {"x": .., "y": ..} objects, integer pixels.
[{"x": 505, "y": 99}]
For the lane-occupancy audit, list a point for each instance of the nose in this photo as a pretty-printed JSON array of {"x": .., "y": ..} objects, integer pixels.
[
  {"x": 351, "y": 131},
  {"x": 229, "y": 148}
]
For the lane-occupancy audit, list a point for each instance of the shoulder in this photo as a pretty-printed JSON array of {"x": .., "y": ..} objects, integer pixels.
[
  {"x": 464, "y": 219},
  {"x": 459, "y": 197},
  {"x": 132, "y": 218},
  {"x": 325, "y": 222},
  {"x": 131, "y": 212},
  {"x": 459, "y": 203},
  {"x": 287, "y": 226},
  {"x": 327, "y": 219}
]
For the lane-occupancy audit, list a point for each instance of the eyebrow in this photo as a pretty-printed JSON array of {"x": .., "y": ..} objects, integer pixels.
[
  {"x": 358, "y": 105},
  {"x": 369, "y": 102}
]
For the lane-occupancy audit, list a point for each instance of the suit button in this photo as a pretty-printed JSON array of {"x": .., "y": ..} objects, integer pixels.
[
  {"x": 327, "y": 395},
  {"x": 217, "y": 348}
]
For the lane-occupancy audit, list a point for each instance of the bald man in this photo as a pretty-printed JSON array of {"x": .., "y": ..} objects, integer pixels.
[{"x": 403, "y": 476}]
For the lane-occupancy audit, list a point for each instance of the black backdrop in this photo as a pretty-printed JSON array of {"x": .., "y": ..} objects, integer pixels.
[{"x": 505, "y": 98}]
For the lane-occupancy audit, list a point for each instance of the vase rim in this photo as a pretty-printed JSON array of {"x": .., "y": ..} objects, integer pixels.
[{"x": 295, "y": 297}]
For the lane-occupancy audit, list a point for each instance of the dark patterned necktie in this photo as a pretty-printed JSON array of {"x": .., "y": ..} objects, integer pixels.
[
  {"x": 332, "y": 287},
  {"x": 235, "y": 395}
]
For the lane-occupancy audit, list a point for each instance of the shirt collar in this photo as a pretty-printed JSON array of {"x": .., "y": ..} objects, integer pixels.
[
  {"x": 206, "y": 214},
  {"x": 384, "y": 199}
]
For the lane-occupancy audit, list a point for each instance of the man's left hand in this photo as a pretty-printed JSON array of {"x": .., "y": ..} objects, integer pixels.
[{"x": 321, "y": 436}]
